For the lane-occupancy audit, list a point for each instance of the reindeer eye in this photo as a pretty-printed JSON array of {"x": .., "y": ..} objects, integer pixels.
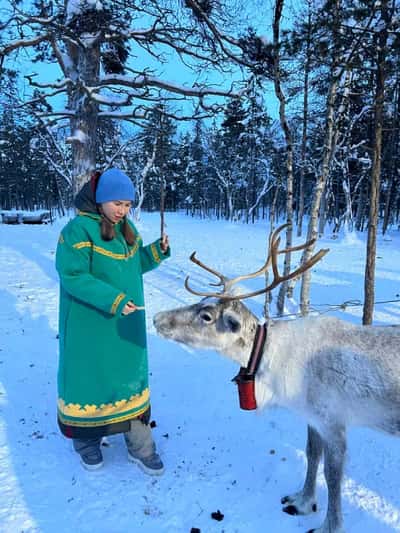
[{"x": 206, "y": 317}]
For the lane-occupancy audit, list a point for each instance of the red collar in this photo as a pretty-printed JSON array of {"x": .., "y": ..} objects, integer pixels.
[
  {"x": 257, "y": 349},
  {"x": 246, "y": 376}
]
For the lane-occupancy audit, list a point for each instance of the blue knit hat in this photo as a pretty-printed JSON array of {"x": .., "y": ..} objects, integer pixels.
[{"x": 113, "y": 184}]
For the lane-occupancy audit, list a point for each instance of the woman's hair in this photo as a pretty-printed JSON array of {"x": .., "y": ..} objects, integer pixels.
[
  {"x": 94, "y": 180},
  {"x": 107, "y": 230}
]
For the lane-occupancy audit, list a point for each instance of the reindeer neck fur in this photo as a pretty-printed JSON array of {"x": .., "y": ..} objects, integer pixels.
[{"x": 296, "y": 351}]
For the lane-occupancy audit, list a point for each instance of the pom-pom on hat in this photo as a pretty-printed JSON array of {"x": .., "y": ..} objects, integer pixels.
[{"x": 113, "y": 184}]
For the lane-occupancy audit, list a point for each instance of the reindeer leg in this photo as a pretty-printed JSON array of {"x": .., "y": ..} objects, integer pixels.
[
  {"x": 304, "y": 502},
  {"x": 334, "y": 458}
]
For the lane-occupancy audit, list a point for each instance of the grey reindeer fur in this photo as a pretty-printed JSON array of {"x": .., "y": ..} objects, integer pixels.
[{"x": 333, "y": 373}]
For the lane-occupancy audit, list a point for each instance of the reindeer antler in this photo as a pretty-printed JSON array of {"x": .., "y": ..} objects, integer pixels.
[{"x": 272, "y": 260}]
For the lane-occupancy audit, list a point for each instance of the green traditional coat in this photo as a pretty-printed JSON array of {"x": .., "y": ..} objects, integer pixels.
[{"x": 103, "y": 368}]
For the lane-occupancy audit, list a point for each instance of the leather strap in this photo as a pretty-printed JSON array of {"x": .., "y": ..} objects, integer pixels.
[
  {"x": 249, "y": 372},
  {"x": 257, "y": 349}
]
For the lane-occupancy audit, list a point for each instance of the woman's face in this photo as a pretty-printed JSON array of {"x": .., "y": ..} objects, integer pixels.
[{"x": 116, "y": 210}]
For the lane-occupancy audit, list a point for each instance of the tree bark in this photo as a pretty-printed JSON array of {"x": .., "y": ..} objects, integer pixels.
[
  {"x": 393, "y": 160},
  {"x": 318, "y": 192},
  {"x": 303, "y": 154},
  {"x": 289, "y": 153},
  {"x": 319, "y": 188},
  {"x": 369, "y": 281},
  {"x": 84, "y": 122}
]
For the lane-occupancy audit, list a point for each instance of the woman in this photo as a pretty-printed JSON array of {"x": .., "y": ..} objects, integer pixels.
[{"x": 103, "y": 369}]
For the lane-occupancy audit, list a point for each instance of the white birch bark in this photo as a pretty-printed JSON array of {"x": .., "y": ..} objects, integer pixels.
[{"x": 289, "y": 154}]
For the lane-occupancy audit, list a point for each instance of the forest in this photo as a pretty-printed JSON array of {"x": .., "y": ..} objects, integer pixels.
[
  {"x": 275, "y": 110},
  {"x": 333, "y": 66}
]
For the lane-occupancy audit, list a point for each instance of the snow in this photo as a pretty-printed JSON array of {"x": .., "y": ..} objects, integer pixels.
[
  {"x": 217, "y": 457},
  {"x": 75, "y": 7},
  {"x": 78, "y": 136}
]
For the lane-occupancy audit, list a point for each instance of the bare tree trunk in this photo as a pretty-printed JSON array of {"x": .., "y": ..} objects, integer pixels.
[
  {"x": 360, "y": 208},
  {"x": 60, "y": 201},
  {"x": 318, "y": 192},
  {"x": 393, "y": 159},
  {"x": 369, "y": 281},
  {"x": 140, "y": 183},
  {"x": 329, "y": 145},
  {"x": 283, "y": 290},
  {"x": 272, "y": 213},
  {"x": 303, "y": 156},
  {"x": 348, "y": 214},
  {"x": 86, "y": 59}
]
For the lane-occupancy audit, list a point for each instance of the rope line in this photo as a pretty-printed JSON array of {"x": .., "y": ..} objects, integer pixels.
[{"x": 335, "y": 307}]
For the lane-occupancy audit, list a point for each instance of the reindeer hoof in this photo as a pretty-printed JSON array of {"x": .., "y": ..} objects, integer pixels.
[
  {"x": 290, "y": 509},
  {"x": 294, "y": 505}
]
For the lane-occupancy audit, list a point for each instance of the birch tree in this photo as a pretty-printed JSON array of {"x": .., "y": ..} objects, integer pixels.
[
  {"x": 340, "y": 58},
  {"x": 283, "y": 289}
]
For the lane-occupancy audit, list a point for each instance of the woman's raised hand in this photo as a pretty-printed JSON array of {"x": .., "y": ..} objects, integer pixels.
[
  {"x": 130, "y": 307},
  {"x": 164, "y": 244}
]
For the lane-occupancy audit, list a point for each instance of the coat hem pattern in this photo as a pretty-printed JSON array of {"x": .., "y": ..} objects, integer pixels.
[{"x": 94, "y": 415}]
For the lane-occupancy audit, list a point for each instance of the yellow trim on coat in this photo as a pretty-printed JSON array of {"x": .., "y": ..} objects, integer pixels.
[
  {"x": 94, "y": 411},
  {"x": 82, "y": 244},
  {"x": 116, "y": 302},
  {"x": 155, "y": 253},
  {"x": 69, "y": 422},
  {"x": 94, "y": 216},
  {"x": 103, "y": 251}
]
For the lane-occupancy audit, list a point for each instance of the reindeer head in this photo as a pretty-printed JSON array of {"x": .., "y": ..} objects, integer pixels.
[
  {"x": 217, "y": 324},
  {"x": 220, "y": 321}
]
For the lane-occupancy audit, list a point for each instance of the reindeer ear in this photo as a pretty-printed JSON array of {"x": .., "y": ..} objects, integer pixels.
[{"x": 231, "y": 321}]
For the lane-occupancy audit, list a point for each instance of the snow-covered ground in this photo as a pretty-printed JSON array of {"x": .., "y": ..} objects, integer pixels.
[{"x": 217, "y": 457}]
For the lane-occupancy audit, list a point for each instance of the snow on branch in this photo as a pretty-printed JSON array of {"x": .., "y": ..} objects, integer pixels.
[
  {"x": 144, "y": 80},
  {"x": 59, "y": 84},
  {"x": 141, "y": 113},
  {"x": 23, "y": 43}
]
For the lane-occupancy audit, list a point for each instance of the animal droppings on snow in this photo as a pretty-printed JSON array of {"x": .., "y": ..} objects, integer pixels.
[{"x": 217, "y": 516}]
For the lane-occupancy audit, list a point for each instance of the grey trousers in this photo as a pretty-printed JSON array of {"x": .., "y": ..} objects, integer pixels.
[
  {"x": 83, "y": 446},
  {"x": 139, "y": 441}
]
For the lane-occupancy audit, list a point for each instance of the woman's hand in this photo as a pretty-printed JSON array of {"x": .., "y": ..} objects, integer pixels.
[
  {"x": 164, "y": 244},
  {"x": 129, "y": 308}
]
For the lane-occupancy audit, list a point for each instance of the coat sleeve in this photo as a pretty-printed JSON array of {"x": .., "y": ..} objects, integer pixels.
[
  {"x": 73, "y": 259},
  {"x": 151, "y": 255}
]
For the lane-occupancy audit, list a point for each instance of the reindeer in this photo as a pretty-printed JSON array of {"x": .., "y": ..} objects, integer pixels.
[{"x": 333, "y": 373}]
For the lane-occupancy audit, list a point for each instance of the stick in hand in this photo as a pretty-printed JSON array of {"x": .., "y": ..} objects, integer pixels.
[{"x": 130, "y": 307}]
